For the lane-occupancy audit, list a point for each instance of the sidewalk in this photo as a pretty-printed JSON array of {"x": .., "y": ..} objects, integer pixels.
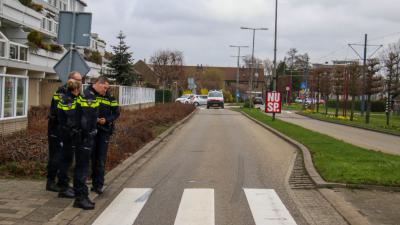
[
  {"x": 27, "y": 202},
  {"x": 364, "y": 138}
]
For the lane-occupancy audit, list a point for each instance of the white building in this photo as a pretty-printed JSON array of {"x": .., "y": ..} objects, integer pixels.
[{"x": 27, "y": 77}]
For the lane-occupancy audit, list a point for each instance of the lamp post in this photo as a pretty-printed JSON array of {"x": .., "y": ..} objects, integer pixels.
[
  {"x": 238, "y": 68},
  {"x": 252, "y": 57},
  {"x": 275, "y": 75}
]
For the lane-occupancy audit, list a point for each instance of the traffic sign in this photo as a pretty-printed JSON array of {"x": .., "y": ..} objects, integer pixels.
[
  {"x": 238, "y": 94},
  {"x": 71, "y": 61},
  {"x": 74, "y": 28},
  {"x": 273, "y": 103}
]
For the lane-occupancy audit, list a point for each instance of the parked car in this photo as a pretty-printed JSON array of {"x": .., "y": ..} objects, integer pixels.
[
  {"x": 198, "y": 100},
  {"x": 215, "y": 98},
  {"x": 309, "y": 100},
  {"x": 185, "y": 99},
  {"x": 258, "y": 101}
]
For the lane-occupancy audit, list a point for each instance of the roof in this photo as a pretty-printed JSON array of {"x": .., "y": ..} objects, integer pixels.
[{"x": 145, "y": 71}]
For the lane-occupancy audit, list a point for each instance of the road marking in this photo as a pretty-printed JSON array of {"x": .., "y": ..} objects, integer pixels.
[
  {"x": 125, "y": 208},
  {"x": 267, "y": 208},
  {"x": 196, "y": 207}
]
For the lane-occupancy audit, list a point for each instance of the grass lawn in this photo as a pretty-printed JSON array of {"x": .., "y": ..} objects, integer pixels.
[{"x": 338, "y": 161}]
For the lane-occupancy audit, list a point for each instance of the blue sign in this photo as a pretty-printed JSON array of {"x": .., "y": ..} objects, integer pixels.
[
  {"x": 238, "y": 94},
  {"x": 303, "y": 85}
]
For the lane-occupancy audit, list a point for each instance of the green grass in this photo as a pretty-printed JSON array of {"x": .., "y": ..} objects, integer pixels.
[{"x": 338, "y": 161}]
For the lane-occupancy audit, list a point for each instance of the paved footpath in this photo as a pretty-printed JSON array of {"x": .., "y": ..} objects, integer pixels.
[{"x": 364, "y": 138}]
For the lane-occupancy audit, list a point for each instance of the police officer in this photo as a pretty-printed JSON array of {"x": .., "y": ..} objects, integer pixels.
[
  {"x": 108, "y": 112},
  {"x": 54, "y": 140},
  {"x": 77, "y": 116}
]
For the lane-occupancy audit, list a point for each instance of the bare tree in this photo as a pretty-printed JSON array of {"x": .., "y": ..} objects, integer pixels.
[
  {"x": 169, "y": 66},
  {"x": 213, "y": 79},
  {"x": 338, "y": 81},
  {"x": 374, "y": 84},
  {"x": 391, "y": 60},
  {"x": 354, "y": 72},
  {"x": 326, "y": 87}
]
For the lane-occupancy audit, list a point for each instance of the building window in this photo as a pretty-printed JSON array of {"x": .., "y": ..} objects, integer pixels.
[
  {"x": 9, "y": 88},
  {"x": 13, "y": 51},
  {"x": 14, "y": 91},
  {"x": 50, "y": 25},
  {"x": 23, "y": 56},
  {"x": 2, "y": 49},
  {"x": 21, "y": 96}
]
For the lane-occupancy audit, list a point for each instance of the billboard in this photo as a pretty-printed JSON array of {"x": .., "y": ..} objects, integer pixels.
[{"x": 273, "y": 102}]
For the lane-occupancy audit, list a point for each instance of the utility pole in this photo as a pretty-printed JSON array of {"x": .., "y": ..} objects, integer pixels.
[
  {"x": 364, "y": 69},
  {"x": 275, "y": 75},
  {"x": 238, "y": 68},
  {"x": 252, "y": 60}
]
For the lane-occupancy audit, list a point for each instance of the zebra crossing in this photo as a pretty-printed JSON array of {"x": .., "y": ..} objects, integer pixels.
[{"x": 196, "y": 207}]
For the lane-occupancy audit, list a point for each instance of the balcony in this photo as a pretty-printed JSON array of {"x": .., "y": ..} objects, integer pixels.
[{"x": 18, "y": 14}]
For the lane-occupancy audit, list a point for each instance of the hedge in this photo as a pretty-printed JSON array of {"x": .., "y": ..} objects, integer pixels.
[{"x": 167, "y": 96}]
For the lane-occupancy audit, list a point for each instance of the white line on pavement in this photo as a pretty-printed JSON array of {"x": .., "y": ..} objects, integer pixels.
[
  {"x": 267, "y": 208},
  {"x": 125, "y": 208},
  {"x": 196, "y": 207}
]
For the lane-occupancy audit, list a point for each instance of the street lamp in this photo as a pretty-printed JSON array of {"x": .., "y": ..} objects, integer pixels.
[
  {"x": 252, "y": 56},
  {"x": 238, "y": 68}
]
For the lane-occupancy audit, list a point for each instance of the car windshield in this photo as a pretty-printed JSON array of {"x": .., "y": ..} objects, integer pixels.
[{"x": 215, "y": 94}]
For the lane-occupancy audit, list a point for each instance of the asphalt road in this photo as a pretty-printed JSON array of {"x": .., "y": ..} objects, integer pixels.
[
  {"x": 219, "y": 168},
  {"x": 360, "y": 137}
]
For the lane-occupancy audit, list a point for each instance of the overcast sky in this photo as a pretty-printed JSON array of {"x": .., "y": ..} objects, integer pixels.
[{"x": 204, "y": 29}]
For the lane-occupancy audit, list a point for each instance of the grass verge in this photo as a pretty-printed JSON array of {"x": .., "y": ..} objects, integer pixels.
[{"x": 338, "y": 161}]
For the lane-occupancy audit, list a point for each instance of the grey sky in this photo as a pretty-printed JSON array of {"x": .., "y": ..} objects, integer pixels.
[{"x": 203, "y": 30}]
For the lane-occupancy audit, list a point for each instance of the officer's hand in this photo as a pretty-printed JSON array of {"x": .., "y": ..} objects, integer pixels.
[{"x": 101, "y": 121}]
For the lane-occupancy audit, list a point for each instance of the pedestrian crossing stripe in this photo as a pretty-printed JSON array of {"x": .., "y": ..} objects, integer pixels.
[
  {"x": 125, "y": 208},
  {"x": 197, "y": 207},
  {"x": 267, "y": 208}
]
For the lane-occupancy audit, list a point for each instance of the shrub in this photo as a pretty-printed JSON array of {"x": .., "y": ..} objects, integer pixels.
[
  {"x": 376, "y": 106},
  {"x": 35, "y": 37},
  {"x": 56, "y": 48},
  {"x": 37, "y": 7}
]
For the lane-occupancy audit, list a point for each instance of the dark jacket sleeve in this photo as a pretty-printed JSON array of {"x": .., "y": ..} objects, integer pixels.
[{"x": 115, "y": 111}]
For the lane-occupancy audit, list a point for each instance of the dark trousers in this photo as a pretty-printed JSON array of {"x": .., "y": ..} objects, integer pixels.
[
  {"x": 55, "y": 149},
  {"x": 99, "y": 157},
  {"x": 82, "y": 151}
]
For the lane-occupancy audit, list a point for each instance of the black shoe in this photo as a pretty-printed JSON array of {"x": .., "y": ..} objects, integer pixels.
[
  {"x": 67, "y": 193},
  {"x": 52, "y": 186},
  {"x": 99, "y": 191},
  {"x": 83, "y": 203}
]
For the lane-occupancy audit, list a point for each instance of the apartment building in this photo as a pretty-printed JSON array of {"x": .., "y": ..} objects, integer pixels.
[{"x": 28, "y": 52}]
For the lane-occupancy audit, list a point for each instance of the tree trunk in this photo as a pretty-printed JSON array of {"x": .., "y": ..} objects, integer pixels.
[
  {"x": 353, "y": 105},
  {"x": 367, "y": 116},
  {"x": 326, "y": 105},
  {"x": 337, "y": 106}
]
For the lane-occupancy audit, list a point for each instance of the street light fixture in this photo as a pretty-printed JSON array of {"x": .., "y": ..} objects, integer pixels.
[{"x": 252, "y": 57}]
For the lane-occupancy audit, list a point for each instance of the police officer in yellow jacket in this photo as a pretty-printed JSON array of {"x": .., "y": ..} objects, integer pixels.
[
  {"x": 54, "y": 140},
  {"x": 77, "y": 117},
  {"x": 108, "y": 113}
]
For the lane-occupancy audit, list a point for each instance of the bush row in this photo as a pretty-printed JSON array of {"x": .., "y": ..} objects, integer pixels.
[{"x": 376, "y": 106}]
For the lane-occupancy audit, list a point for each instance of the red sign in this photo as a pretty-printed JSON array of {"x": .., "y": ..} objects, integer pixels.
[{"x": 273, "y": 102}]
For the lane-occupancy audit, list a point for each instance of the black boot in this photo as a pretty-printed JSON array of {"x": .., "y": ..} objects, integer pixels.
[
  {"x": 99, "y": 191},
  {"x": 52, "y": 186},
  {"x": 66, "y": 193},
  {"x": 84, "y": 203}
]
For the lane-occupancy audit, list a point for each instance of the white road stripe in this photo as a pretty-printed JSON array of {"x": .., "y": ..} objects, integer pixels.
[
  {"x": 196, "y": 207},
  {"x": 267, "y": 208},
  {"x": 125, "y": 208}
]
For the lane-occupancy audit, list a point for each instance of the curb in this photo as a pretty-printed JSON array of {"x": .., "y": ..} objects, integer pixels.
[
  {"x": 69, "y": 213},
  {"x": 350, "y": 125},
  {"x": 345, "y": 209}
]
